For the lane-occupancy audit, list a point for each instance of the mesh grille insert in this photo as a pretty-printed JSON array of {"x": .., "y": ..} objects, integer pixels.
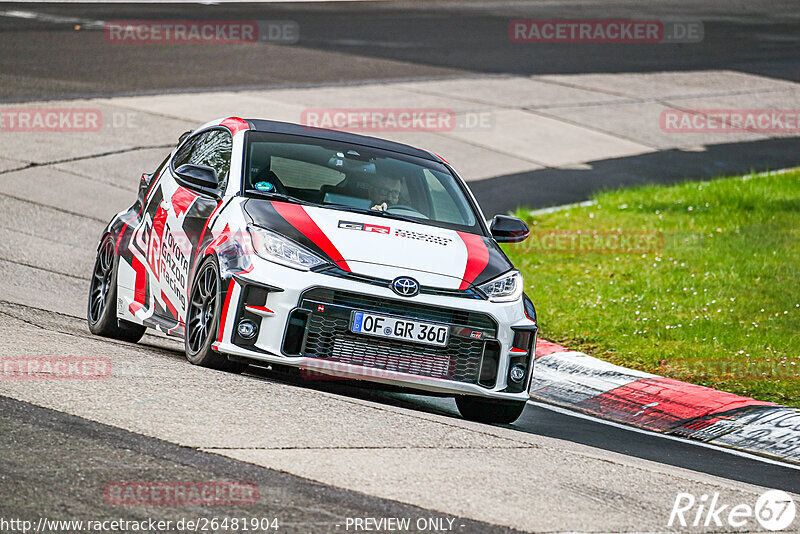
[{"x": 328, "y": 337}]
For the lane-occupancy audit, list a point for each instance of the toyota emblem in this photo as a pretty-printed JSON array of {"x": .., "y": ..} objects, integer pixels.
[{"x": 405, "y": 286}]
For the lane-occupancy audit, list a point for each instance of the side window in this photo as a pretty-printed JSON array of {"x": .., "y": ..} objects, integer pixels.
[{"x": 212, "y": 149}]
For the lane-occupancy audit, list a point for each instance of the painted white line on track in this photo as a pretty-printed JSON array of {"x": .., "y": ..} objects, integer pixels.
[
  {"x": 735, "y": 452},
  {"x": 55, "y": 19}
]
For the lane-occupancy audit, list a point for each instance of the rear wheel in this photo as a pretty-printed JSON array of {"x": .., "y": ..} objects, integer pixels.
[
  {"x": 101, "y": 313},
  {"x": 488, "y": 410},
  {"x": 203, "y": 317}
]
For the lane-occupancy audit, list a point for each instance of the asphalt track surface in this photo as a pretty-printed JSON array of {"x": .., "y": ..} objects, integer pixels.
[
  {"x": 44, "y": 56},
  {"x": 55, "y": 464},
  {"x": 351, "y": 42}
]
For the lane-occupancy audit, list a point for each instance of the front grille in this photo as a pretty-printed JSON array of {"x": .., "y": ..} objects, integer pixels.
[
  {"x": 410, "y": 309},
  {"x": 328, "y": 337}
]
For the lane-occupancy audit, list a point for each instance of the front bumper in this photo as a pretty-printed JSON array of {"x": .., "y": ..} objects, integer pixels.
[{"x": 303, "y": 321}]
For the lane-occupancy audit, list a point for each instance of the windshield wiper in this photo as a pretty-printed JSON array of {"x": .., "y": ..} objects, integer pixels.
[
  {"x": 274, "y": 195},
  {"x": 376, "y": 212}
]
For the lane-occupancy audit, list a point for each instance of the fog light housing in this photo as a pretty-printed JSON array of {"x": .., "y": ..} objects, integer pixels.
[
  {"x": 247, "y": 329},
  {"x": 517, "y": 373}
]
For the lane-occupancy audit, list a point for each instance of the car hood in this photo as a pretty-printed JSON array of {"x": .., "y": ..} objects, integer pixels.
[{"x": 382, "y": 247}]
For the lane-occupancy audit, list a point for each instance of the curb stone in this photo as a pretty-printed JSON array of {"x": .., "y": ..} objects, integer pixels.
[{"x": 581, "y": 382}]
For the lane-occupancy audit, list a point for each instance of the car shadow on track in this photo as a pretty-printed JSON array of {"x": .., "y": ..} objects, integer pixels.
[{"x": 540, "y": 421}]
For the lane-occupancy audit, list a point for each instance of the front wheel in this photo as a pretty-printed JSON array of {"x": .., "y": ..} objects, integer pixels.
[
  {"x": 202, "y": 320},
  {"x": 488, "y": 410},
  {"x": 101, "y": 313}
]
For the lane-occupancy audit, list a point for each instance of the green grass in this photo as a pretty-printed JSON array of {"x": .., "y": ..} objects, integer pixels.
[{"x": 718, "y": 304}]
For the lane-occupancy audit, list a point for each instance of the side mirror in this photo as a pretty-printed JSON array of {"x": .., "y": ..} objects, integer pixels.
[
  {"x": 507, "y": 229},
  {"x": 201, "y": 176}
]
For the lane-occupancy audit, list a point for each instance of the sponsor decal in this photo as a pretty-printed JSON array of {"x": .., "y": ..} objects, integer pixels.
[
  {"x": 175, "y": 265},
  {"x": 265, "y": 186},
  {"x": 419, "y": 236},
  {"x": 364, "y": 227}
]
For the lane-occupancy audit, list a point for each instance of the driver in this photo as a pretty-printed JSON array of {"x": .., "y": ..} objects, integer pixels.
[{"x": 385, "y": 192}]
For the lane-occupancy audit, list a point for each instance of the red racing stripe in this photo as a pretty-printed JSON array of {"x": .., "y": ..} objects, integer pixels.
[
  {"x": 140, "y": 293},
  {"x": 200, "y": 241},
  {"x": 235, "y": 124},
  {"x": 125, "y": 224},
  {"x": 297, "y": 217},
  {"x": 170, "y": 306},
  {"x": 477, "y": 258},
  {"x": 182, "y": 198},
  {"x": 224, "y": 315}
]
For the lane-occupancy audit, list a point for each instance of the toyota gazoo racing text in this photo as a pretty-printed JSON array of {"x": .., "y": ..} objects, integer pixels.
[{"x": 339, "y": 254}]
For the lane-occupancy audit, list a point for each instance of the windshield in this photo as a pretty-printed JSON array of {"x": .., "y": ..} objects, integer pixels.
[{"x": 355, "y": 178}]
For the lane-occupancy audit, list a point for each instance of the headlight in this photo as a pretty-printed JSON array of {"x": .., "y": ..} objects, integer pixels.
[
  {"x": 505, "y": 288},
  {"x": 274, "y": 247}
]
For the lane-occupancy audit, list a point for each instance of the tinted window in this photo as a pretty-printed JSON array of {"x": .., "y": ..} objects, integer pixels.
[{"x": 356, "y": 177}]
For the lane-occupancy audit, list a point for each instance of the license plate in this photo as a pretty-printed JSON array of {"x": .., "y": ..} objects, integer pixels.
[{"x": 399, "y": 329}]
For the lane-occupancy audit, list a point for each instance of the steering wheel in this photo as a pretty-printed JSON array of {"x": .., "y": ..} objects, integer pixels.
[{"x": 403, "y": 207}]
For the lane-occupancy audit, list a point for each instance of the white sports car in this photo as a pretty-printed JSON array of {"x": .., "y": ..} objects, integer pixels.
[{"x": 338, "y": 254}]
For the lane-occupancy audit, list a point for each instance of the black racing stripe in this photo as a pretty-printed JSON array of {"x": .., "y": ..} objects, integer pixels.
[
  {"x": 263, "y": 213},
  {"x": 498, "y": 263}
]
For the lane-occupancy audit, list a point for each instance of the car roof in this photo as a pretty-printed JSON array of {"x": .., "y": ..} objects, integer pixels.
[{"x": 289, "y": 128}]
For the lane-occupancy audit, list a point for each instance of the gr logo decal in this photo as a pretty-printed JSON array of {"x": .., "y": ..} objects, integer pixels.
[{"x": 364, "y": 227}]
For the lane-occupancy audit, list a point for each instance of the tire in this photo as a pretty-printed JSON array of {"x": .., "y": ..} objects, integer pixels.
[
  {"x": 202, "y": 320},
  {"x": 101, "y": 310},
  {"x": 489, "y": 411}
]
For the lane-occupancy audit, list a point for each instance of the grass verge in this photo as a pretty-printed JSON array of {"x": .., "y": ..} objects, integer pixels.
[{"x": 699, "y": 281}]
